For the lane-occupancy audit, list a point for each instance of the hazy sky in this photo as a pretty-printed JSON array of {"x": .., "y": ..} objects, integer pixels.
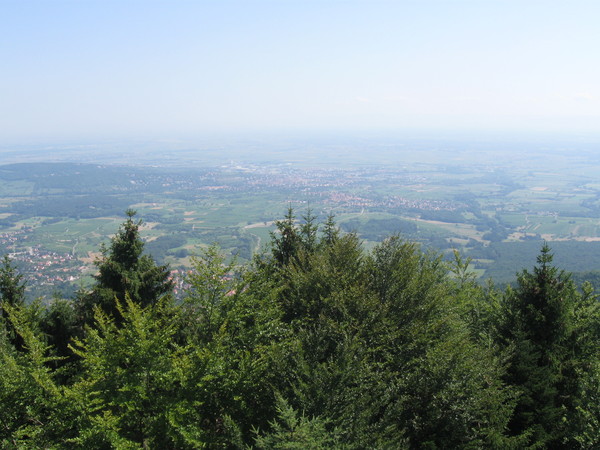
[{"x": 73, "y": 69}]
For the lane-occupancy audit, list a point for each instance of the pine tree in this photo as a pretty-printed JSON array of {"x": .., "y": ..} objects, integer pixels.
[
  {"x": 547, "y": 360},
  {"x": 12, "y": 288},
  {"x": 124, "y": 270},
  {"x": 286, "y": 243},
  {"x": 12, "y": 294},
  {"x": 308, "y": 231},
  {"x": 331, "y": 232},
  {"x": 59, "y": 324}
]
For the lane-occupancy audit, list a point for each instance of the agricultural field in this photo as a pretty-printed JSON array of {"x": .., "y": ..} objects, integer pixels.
[{"x": 497, "y": 207}]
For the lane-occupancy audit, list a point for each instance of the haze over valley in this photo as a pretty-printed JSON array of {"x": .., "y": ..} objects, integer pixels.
[
  {"x": 344, "y": 224},
  {"x": 494, "y": 200}
]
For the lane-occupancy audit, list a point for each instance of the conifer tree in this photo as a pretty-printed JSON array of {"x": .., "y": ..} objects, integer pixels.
[
  {"x": 308, "y": 231},
  {"x": 127, "y": 378},
  {"x": 331, "y": 232},
  {"x": 12, "y": 288},
  {"x": 542, "y": 321},
  {"x": 59, "y": 324},
  {"x": 286, "y": 243},
  {"x": 33, "y": 410},
  {"x": 12, "y": 294},
  {"x": 124, "y": 270}
]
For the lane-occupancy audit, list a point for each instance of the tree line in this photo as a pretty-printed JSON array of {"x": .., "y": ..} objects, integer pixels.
[{"x": 314, "y": 344}]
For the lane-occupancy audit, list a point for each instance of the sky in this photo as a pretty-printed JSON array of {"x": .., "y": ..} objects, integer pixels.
[{"x": 92, "y": 69}]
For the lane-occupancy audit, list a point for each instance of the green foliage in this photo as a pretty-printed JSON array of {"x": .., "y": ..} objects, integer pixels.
[
  {"x": 211, "y": 281},
  {"x": 35, "y": 412},
  {"x": 361, "y": 322},
  {"x": 58, "y": 323},
  {"x": 315, "y": 345},
  {"x": 233, "y": 329},
  {"x": 125, "y": 271},
  {"x": 311, "y": 279},
  {"x": 127, "y": 382},
  {"x": 379, "y": 229},
  {"x": 552, "y": 332},
  {"x": 477, "y": 305},
  {"x": 12, "y": 288},
  {"x": 442, "y": 389},
  {"x": 12, "y": 291},
  {"x": 286, "y": 242},
  {"x": 294, "y": 431},
  {"x": 330, "y": 231},
  {"x": 308, "y": 231}
]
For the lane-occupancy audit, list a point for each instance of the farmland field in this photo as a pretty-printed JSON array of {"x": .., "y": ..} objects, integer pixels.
[{"x": 496, "y": 206}]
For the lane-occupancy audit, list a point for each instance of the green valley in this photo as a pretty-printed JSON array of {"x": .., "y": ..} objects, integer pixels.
[{"x": 495, "y": 210}]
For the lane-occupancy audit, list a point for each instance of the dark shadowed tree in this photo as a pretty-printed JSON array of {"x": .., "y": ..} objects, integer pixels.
[
  {"x": 285, "y": 243},
  {"x": 59, "y": 324},
  {"x": 124, "y": 270},
  {"x": 12, "y": 294},
  {"x": 551, "y": 332},
  {"x": 308, "y": 231},
  {"x": 12, "y": 287},
  {"x": 331, "y": 232}
]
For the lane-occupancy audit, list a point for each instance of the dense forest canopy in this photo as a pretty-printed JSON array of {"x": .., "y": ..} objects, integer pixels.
[{"x": 315, "y": 343}]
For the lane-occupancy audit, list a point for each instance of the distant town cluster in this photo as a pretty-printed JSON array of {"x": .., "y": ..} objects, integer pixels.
[{"x": 54, "y": 217}]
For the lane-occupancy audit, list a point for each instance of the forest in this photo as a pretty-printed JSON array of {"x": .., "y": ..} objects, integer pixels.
[{"x": 314, "y": 343}]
